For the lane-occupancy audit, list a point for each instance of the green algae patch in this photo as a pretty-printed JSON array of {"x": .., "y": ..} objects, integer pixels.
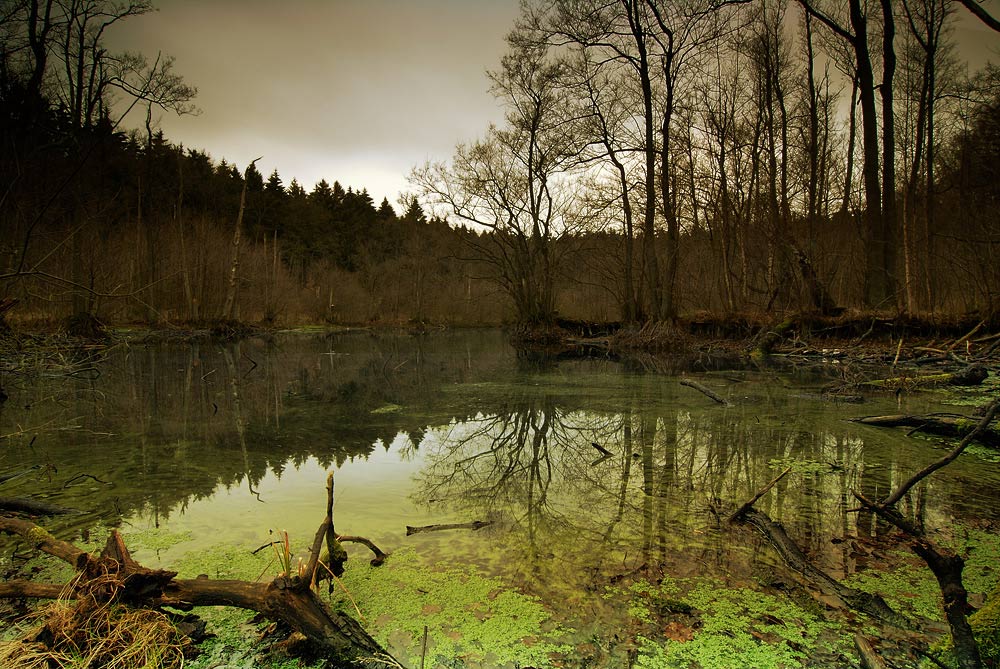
[
  {"x": 910, "y": 589},
  {"x": 687, "y": 623},
  {"x": 986, "y": 627},
  {"x": 154, "y": 539},
  {"x": 471, "y": 620}
]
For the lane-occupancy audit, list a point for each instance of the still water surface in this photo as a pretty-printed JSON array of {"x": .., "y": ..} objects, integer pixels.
[{"x": 223, "y": 442}]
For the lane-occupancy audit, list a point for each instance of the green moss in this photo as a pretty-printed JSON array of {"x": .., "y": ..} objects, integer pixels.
[
  {"x": 227, "y": 562},
  {"x": 470, "y": 619},
  {"x": 37, "y": 535}
]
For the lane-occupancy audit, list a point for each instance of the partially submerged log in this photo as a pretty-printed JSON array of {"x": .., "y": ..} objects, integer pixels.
[
  {"x": 114, "y": 577},
  {"x": 946, "y": 565},
  {"x": 474, "y": 525},
  {"x": 945, "y": 425},
  {"x": 869, "y": 603},
  {"x": 973, "y": 375}
]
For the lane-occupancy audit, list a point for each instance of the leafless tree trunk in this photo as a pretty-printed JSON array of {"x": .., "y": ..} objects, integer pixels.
[{"x": 229, "y": 306}]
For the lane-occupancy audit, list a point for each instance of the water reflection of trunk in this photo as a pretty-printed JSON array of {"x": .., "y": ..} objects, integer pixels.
[
  {"x": 667, "y": 479},
  {"x": 503, "y": 465},
  {"x": 236, "y": 390},
  {"x": 647, "y": 435},
  {"x": 538, "y": 481},
  {"x": 625, "y": 475}
]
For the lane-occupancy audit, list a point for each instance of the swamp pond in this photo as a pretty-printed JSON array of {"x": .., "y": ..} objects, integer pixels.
[{"x": 201, "y": 452}]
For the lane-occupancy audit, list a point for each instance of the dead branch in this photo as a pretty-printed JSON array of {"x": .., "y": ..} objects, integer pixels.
[
  {"x": 980, "y": 428},
  {"x": 33, "y": 507},
  {"x": 600, "y": 449},
  {"x": 738, "y": 514},
  {"x": 708, "y": 392},
  {"x": 113, "y": 576},
  {"x": 871, "y": 604}
]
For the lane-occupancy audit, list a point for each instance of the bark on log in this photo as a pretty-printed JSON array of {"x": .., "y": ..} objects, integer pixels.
[
  {"x": 770, "y": 338},
  {"x": 869, "y": 658},
  {"x": 943, "y": 425},
  {"x": 947, "y": 568}
]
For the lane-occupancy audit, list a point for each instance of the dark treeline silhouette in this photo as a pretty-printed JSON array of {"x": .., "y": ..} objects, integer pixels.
[{"x": 658, "y": 159}]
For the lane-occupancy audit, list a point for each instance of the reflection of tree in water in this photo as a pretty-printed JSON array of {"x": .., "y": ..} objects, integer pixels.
[{"x": 568, "y": 517}]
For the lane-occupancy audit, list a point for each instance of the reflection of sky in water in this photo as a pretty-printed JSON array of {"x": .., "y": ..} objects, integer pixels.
[{"x": 372, "y": 499}]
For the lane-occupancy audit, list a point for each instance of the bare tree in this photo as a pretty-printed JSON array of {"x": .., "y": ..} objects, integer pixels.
[{"x": 515, "y": 182}]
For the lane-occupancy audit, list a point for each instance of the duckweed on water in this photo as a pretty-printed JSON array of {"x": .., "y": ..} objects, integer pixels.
[
  {"x": 471, "y": 620},
  {"x": 763, "y": 631}
]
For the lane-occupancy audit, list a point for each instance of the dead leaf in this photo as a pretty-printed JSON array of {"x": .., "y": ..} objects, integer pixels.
[{"x": 679, "y": 632}]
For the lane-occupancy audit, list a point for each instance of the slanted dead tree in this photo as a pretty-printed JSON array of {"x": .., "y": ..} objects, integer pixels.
[
  {"x": 774, "y": 532},
  {"x": 113, "y": 576},
  {"x": 946, "y": 565}
]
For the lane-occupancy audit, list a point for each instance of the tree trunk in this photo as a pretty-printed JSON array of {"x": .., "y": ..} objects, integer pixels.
[{"x": 229, "y": 306}]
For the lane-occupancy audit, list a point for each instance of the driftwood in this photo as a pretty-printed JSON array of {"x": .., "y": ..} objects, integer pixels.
[
  {"x": 945, "y": 425},
  {"x": 737, "y": 516},
  {"x": 114, "y": 577},
  {"x": 474, "y": 525},
  {"x": 708, "y": 392}
]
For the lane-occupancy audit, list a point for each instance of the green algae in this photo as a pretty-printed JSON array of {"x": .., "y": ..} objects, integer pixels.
[
  {"x": 712, "y": 624},
  {"x": 986, "y": 628},
  {"x": 471, "y": 620},
  {"x": 910, "y": 589}
]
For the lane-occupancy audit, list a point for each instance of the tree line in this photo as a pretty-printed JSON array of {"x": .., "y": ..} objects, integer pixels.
[
  {"x": 738, "y": 155},
  {"x": 657, "y": 159}
]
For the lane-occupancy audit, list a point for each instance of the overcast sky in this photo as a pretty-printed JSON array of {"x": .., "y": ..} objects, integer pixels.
[{"x": 358, "y": 91}]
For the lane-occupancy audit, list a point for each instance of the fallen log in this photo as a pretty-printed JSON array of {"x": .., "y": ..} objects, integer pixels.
[
  {"x": 945, "y": 425},
  {"x": 474, "y": 525},
  {"x": 774, "y": 532},
  {"x": 113, "y": 577},
  {"x": 973, "y": 375},
  {"x": 946, "y": 565}
]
